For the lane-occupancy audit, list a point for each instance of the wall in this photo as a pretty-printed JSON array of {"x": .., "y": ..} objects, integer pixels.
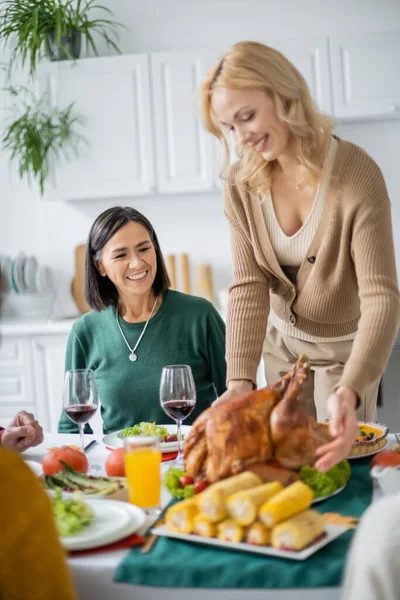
[{"x": 195, "y": 224}]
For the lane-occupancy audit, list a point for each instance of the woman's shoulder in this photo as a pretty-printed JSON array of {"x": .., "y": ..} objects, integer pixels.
[
  {"x": 92, "y": 320},
  {"x": 195, "y": 304},
  {"x": 356, "y": 160}
]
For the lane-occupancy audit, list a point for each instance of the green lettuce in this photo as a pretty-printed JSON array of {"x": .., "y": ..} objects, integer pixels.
[
  {"x": 144, "y": 428},
  {"x": 324, "y": 484},
  {"x": 71, "y": 515},
  {"x": 171, "y": 483}
]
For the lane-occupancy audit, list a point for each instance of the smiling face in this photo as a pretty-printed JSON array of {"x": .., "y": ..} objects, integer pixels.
[
  {"x": 129, "y": 260},
  {"x": 251, "y": 116}
]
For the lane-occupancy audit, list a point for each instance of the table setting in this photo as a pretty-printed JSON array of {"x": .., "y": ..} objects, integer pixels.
[
  {"x": 122, "y": 569},
  {"x": 155, "y": 506}
]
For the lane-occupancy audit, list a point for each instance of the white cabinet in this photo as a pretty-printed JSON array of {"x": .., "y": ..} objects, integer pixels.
[
  {"x": 48, "y": 358},
  {"x": 112, "y": 95},
  {"x": 311, "y": 57},
  {"x": 366, "y": 75},
  {"x": 15, "y": 378},
  {"x": 184, "y": 151}
]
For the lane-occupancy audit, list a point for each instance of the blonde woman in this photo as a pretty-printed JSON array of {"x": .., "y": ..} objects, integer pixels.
[{"x": 314, "y": 265}]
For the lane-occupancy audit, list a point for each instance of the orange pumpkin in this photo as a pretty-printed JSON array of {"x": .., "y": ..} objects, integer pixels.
[
  {"x": 115, "y": 463},
  {"x": 74, "y": 458},
  {"x": 386, "y": 458}
]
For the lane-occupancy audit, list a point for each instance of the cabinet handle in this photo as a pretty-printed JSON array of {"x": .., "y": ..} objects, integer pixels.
[{"x": 395, "y": 107}]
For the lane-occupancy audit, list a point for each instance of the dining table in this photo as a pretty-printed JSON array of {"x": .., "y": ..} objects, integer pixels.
[{"x": 93, "y": 573}]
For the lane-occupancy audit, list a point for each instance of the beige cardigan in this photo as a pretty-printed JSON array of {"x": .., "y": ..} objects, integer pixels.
[{"x": 347, "y": 281}]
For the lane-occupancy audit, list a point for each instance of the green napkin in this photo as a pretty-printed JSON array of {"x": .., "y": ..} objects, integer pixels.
[{"x": 174, "y": 563}]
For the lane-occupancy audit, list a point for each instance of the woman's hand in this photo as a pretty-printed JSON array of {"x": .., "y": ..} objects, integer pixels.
[
  {"x": 236, "y": 387},
  {"x": 343, "y": 427}
]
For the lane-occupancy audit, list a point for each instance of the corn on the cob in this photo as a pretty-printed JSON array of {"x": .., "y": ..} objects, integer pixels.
[
  {"x": 258, "y": 534},
  {"x": 202, "y": 526},
  {"x": 243, "y": 506},
  {"x": 290, "y": 501},
  {"x": 213, "y": 500},
  {"x": 229, "y": 531},
  {"x": 180, "y": 516},
  {"x": 299, "y": 531}
]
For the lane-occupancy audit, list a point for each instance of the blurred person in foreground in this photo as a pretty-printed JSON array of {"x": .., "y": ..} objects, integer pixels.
[
  {"x": 32, "y": 560},
  {"x": 373, "y": 563}
]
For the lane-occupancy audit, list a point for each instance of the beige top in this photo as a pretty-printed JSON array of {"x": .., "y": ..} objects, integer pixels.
[
  {"x": 347, "y": 280},
  {"x": 291, "y": 250}
]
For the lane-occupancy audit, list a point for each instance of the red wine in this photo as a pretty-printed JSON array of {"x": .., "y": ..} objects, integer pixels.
[
  {"x": 80, "y": 413},
  {"x": 179, "y": 409}
]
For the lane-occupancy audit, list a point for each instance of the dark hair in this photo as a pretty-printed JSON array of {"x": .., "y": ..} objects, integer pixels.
[{"x": 100, "y": 292}]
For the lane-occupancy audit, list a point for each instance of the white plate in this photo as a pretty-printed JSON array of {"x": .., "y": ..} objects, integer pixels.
[
  {"x": 44, "y": 280},
  {"x": 116, "y": 440},
  {"x": 18, "y": 273},
  {"x": 368, "y": 453},
  {"x": 332, "y": 532},
  {"x": 35, "y": 466},
  {"x": 113, "y": 520},
  {"x": 30, "y": 269},
  {"x": 316, "y": 500}
]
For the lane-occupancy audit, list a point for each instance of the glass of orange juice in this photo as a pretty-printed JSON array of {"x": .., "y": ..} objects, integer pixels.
[{"x": 143, "y": 471}]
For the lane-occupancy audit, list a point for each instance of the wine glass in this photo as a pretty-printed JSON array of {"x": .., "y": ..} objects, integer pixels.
[
  {"x": 177, "y": 398},
  {"x": 81, "y": 398}
]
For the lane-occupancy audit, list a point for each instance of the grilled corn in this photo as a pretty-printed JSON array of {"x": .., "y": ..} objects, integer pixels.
[
  {"x": 180, "y": 516},
  {"x": 299, "y": 531},
  {"x": 290, "y": 501},
  {"x": 229, "y": 531},
  {"x": 212, "y": 502},
  {"x": 203, "y": 527},
  {"x": 243, "y": 506},
  {"x": 258, "y": 534}
]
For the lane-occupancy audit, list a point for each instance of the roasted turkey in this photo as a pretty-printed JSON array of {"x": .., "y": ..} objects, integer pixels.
[{"x": 249, "y": 431}]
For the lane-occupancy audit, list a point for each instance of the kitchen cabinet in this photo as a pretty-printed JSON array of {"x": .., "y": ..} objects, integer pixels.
[
  {"x": 365, "y": 75},
  {"x": 48, "y": 358},
  {"x": 184, "y": 151},
  {"x": 16, "y": 391},
  {"x": 112, "y": 95},
  {"x": 32, "y": 356},
  {"x": 311, "y": 57}
]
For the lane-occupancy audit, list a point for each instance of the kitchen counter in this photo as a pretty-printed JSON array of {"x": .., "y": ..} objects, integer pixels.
[{"x": 18, "y": 327}]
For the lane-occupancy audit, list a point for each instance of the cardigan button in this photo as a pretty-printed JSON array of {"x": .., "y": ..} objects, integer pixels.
[
  {"x": 292, "y": 319},
  {"x": 311, "y": 259}
]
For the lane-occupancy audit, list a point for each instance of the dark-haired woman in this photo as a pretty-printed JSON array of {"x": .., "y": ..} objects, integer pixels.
[{"x": 139, "y": 325}]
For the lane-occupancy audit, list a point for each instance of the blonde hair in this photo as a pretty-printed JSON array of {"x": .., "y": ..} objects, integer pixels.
[{"x": 250, "y": 65}]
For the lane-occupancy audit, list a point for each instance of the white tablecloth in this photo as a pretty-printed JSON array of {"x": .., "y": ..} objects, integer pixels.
[{"x": 93, "y": 574}]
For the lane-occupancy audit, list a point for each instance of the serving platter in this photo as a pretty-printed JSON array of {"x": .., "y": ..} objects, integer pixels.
[
  {"x": 321, "y": 498},
  {"x": 332, "y": 532},
  {"x": 116, "y": 439}
]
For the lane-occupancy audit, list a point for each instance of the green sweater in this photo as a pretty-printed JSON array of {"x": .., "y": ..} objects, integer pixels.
[{"x": 185, "y": 330}]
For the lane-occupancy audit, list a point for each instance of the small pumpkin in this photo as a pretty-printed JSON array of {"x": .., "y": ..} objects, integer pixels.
[
  {"x": 115, "y": 463},
  {"x": 70, "y": 455}
]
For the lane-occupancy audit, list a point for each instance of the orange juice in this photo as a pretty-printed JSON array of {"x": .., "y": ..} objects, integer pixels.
[{"x": 144, "y": 476}]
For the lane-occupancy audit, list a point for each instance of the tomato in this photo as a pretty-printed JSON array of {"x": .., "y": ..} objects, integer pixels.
[
  {"x": 199, "y": 486},
  {"x": 185, "y": 480},
  {"x": 74, "y": 458},
  {"x": 170, "y": 438},
  {"x": 386, "y": 458},
  {"x": 115, "y": 463}
]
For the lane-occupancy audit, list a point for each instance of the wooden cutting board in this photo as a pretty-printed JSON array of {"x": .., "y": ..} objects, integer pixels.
[{"x": 78, "y": 282}]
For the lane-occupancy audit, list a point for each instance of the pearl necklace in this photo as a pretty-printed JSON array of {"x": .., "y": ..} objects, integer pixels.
[{"x": 133, "y": 356}]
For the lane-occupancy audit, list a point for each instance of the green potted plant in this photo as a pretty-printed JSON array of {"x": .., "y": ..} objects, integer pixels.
[
  {"x": 38, "y": 137},
  {"x": 34, "y": 28}
]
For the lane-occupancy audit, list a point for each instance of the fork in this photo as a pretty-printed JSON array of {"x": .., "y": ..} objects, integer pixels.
[{"x": 397, "y": 436}]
